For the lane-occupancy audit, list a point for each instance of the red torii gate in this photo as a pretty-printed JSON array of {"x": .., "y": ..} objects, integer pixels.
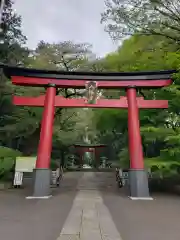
[
  {"x": 52, "y": 80},
  {"x": 95, "y": 148}
]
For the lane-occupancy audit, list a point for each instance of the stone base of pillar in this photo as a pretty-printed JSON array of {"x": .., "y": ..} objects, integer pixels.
[
  {"x": 41, "y": 184},
  {"x": 138, "y": 181}
]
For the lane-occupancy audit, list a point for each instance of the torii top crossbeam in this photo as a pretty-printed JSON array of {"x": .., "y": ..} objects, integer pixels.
[{"x": 62, "y": 79}]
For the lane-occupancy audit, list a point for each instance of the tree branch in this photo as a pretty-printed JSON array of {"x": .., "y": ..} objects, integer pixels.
[
  {"x": 69, "y": 117},
  {"x": 141, "y": 93},
  {"x": 65, "y": 63}
]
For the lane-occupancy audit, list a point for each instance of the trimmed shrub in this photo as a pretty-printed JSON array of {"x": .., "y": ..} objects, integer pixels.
[{"x": 7, "y": 162}]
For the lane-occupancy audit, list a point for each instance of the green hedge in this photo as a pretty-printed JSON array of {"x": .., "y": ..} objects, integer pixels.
[{"x": 7, "y": 161}]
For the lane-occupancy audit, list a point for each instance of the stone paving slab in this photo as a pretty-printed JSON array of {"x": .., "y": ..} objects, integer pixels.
[
  {"x": 73, "y": 222},
  {"x": 68, "y": 237},
  {"x": 89, "y": 210},
  {"x": 107, "y": 225}
]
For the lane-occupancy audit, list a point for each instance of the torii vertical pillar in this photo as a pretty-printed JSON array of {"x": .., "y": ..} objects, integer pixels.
[
  {"x": 137, "y": 175},
  {"x": 42, "y": 172}
]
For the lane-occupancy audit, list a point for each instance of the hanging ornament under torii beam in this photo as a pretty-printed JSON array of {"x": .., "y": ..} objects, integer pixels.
[{"x": 91, "y": 92}]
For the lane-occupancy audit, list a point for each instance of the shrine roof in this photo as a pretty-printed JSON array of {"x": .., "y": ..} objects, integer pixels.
[
  {"x": 89, "y": 145},
  {"x": 94, "y": 76}
]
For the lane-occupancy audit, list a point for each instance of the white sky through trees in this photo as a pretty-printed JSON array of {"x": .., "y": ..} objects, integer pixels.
[{"x": 63, "y": 20}]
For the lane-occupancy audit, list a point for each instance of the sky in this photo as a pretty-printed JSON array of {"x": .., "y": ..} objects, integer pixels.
[{"x": 64, "y": 20}]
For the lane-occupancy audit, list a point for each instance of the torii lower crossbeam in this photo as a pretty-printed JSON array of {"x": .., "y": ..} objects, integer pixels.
[{"x": 81, "y": 103}]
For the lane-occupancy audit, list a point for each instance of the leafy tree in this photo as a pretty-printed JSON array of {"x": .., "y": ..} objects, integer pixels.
[
  {"x": 70, "y": 129},
  {"x": 20, "y": 127},
  {"x": 159, "y": 128},
  {"x": 67, "y": 56},
  {"x": 154, "y": 17},
  {"x": 11, "y": 52},
  {"x": 7, "y": 160},
  {"x": 12, "y": 38}
]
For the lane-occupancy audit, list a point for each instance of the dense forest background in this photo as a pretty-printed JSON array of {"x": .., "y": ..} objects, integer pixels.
[{"x": 150, "y": 34}]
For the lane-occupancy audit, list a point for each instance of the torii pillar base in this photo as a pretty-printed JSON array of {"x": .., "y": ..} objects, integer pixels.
[
  {"x": 41, "y": 184},
  {"x": 138, "y": 180},
  {"x": 42, "y": 181}
]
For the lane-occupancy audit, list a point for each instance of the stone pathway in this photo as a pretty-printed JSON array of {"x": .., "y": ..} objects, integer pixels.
[
  {"x": 89, "y": 218},
  {"x": 83, "y": 208}
]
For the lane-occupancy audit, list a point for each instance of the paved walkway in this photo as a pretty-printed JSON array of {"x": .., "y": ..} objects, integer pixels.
[
  {"x": 89, "y": 218},
  {"x": 88, "y": 206},
  {"x": 22, "y": 219}
]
